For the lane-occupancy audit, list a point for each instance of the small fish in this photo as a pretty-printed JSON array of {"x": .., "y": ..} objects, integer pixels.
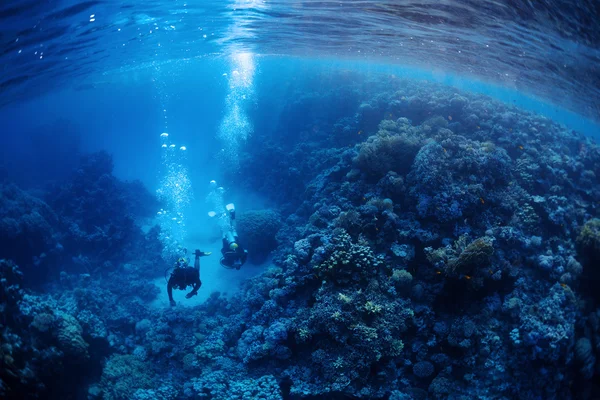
[
  {"x": 467, "y": 277},
  {"x": 360, "y": 132},
  {"x": 478, "y": 127},
  {"x": 520, "y": 147},
  {"x": 438, "y": 272},
  {"x": 481, "y": 200},
  {"x": 450, "y": 117},
  {"x": 445, "y": 151}
]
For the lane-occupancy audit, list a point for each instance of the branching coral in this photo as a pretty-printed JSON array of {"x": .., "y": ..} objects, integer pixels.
[{"x": 348, "y": 261}]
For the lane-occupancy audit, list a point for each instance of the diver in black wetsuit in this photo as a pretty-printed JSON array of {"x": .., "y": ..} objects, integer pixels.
[
  {"x": 184, "y": 276},
  {"x": 234, "y": 256}
]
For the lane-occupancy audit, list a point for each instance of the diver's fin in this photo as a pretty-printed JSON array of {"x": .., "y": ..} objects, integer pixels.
[{"x": 211, "y": 214}]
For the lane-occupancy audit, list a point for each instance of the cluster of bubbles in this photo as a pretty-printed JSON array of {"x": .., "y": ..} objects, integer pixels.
[
  {"x": 218, "y": 207},
  {"x": 175, "y": 193},
  {"x": 236, "y": 127}
]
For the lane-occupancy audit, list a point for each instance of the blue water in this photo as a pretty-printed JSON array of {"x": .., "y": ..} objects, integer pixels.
[
  {"x": 121, "y": 113},
  {"x": 415, "y": 188}
]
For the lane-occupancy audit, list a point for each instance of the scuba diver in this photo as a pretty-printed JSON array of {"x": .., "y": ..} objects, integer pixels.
[
  {"x": 233, "y": 254},
  {"x": 184, "y": 276}
]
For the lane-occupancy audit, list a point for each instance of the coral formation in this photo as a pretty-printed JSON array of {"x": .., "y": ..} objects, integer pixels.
[
  {"x": 123, "y": 375},
  {"x": 589, "y": 240},
  {"x": 258, "y": 229},
  {"x": 27, "y": 229},
  {"x": 392, "y": 149}
]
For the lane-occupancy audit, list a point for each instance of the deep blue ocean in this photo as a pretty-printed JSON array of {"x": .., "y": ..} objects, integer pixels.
[{"x": 299, "y": 200}]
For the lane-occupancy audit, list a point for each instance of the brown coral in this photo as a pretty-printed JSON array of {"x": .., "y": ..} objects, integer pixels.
[
  {"x": 477, "y": 253},
  {"x": 389, "y": 151},
  {"x": 462, "y": 258},
  {"x": 69, "y": 337},
  {"x": 588, "y": 241}
]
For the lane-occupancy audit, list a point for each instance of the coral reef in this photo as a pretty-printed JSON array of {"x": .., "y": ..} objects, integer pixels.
[{"x": 436, "y": 245}]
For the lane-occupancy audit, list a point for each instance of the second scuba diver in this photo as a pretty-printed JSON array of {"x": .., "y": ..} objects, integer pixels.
[{"x": 233, "y": 254}]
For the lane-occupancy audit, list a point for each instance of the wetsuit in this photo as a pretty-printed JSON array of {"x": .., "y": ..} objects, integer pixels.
[
  {"x": 182, "y": 277},
  {"x": 233, "y": 258}
]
